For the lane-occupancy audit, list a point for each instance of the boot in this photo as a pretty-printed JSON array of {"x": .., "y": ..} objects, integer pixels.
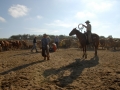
[
  {"x": 36, "y": 50},
  {"x": 48, "y": 57},
  {"x": 44, "y": 58}
]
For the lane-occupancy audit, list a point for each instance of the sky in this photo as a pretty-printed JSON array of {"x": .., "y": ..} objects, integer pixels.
[{"x": 58, "y": 17}]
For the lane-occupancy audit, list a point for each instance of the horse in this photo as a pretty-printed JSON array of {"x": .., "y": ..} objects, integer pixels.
[{"x": 83, "y": 40}]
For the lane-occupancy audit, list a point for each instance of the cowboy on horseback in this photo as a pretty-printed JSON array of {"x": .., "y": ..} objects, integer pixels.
[{"x": 88, "y": 30}]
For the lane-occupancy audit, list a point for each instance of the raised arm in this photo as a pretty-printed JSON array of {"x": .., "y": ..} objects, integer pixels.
[{"x": 84, "y": 25}]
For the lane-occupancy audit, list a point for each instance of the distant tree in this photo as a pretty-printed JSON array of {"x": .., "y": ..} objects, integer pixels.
[
  {"x": 110, "y": 36},
  {"x": 52, "y": 36},
  {"x": 61, "y": 37},
  {"x": 39, "y": 37},
  {"x": 14, "y": 37},
  {"x": 102, "y": 37}
]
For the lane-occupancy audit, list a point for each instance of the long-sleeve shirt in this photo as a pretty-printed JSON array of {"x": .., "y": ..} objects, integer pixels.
[
  {"x": 34, "y": 40},
  {"x": 44, "y": 42},
  {"x": 88, "y": 27}
]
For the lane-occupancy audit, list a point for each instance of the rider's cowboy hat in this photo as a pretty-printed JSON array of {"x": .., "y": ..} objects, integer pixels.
[{"x": 87, "y": 21}]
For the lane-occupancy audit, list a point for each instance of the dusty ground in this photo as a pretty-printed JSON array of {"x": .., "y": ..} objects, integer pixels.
[{"x": 23, "y": 70}]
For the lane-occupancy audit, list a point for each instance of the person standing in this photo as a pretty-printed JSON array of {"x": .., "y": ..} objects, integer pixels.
[
  {"x": 45, "y": 47},
  {"x": 88, "y": 30},
  {"x": 56, "y": 40},
  {"x": 34, "y": 44}
]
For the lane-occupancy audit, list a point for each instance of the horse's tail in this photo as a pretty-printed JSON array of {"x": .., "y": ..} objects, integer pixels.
[{"x": 96, "y": 40}]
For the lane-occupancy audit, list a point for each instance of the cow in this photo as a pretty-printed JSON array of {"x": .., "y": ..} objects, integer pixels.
[
  {"x": 2, "y": 45},
  {"x": 15, "y": 44},
  {"x": 0, "y": 48},
  {"x": 112, "y": 43},
  {"x": 66, "y": 43},
  {"x": 39, "y": 44},
  {"x": 75, "y": 43},
  {"x": 18, "y": 44},
  {"x": 24, "y": 44},
  {"x": 6, "y": 45},
  {"x": 102, "y": 43}
]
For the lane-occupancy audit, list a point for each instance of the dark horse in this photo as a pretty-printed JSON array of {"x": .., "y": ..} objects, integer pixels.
[{"x": 83, "y": 40}]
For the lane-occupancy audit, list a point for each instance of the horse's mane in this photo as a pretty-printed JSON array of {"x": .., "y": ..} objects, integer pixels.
[
  {"x": 79, "y": 31},
  {"x": 80, "y": 34}
]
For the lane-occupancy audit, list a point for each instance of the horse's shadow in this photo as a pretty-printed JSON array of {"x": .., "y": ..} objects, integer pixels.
[{"x": 75, "y": 69}]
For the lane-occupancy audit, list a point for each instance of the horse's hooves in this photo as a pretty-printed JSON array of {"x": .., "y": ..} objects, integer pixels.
[{"x": 95, "y": 56}]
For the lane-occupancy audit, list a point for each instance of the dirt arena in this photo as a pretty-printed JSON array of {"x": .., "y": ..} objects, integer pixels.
[{"x": 66, "y": 70}]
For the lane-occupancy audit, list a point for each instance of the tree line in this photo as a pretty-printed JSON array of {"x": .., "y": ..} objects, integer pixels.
[{"x": 30, "y": 37}]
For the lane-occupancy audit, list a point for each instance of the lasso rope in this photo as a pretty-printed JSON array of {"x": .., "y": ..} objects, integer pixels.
[{"x": 80, "y": 28}]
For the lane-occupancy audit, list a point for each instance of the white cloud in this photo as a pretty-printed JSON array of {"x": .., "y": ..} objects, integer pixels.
[
  {"x": 42, "y": 31},
  {"x": 98, "y": 5},
  {"x": 84, "y": 15},
  {"x": 2, "y": 19},
  {"x": 28, "y": 18},
  {"x": 18, "y": 11},
  {"x": 59, "y": 23},
  {"x": 36, "y": 30},
  {"x": 103, "y": 28},
  {"x": 39, "y": 17}
]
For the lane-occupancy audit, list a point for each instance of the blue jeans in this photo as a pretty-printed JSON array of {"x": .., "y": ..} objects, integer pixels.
[
  {"x": 45, "y": 51},
  {"x": 89, "y": 36},
  {"x": 57, "y": 44},
  {"x": 34, "y": 47}
]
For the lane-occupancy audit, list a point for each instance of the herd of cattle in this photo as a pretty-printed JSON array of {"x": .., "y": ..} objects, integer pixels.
[
  {"x": 106, "y": 43},
  {"x": 6, "y": 45},
  {"x": 109, "y": 43}
]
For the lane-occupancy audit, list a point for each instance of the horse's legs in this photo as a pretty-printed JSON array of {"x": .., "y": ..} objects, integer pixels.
[
  {"x": 95, "y": 51},
  {"x": 96, "y": 47},
  {"x": 85, "y": 53}
]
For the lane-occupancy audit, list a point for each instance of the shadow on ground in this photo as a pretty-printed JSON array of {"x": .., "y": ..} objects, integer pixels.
[
  {"x": 75, "y": 69},
  {"x": 20, "y": 67}
]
